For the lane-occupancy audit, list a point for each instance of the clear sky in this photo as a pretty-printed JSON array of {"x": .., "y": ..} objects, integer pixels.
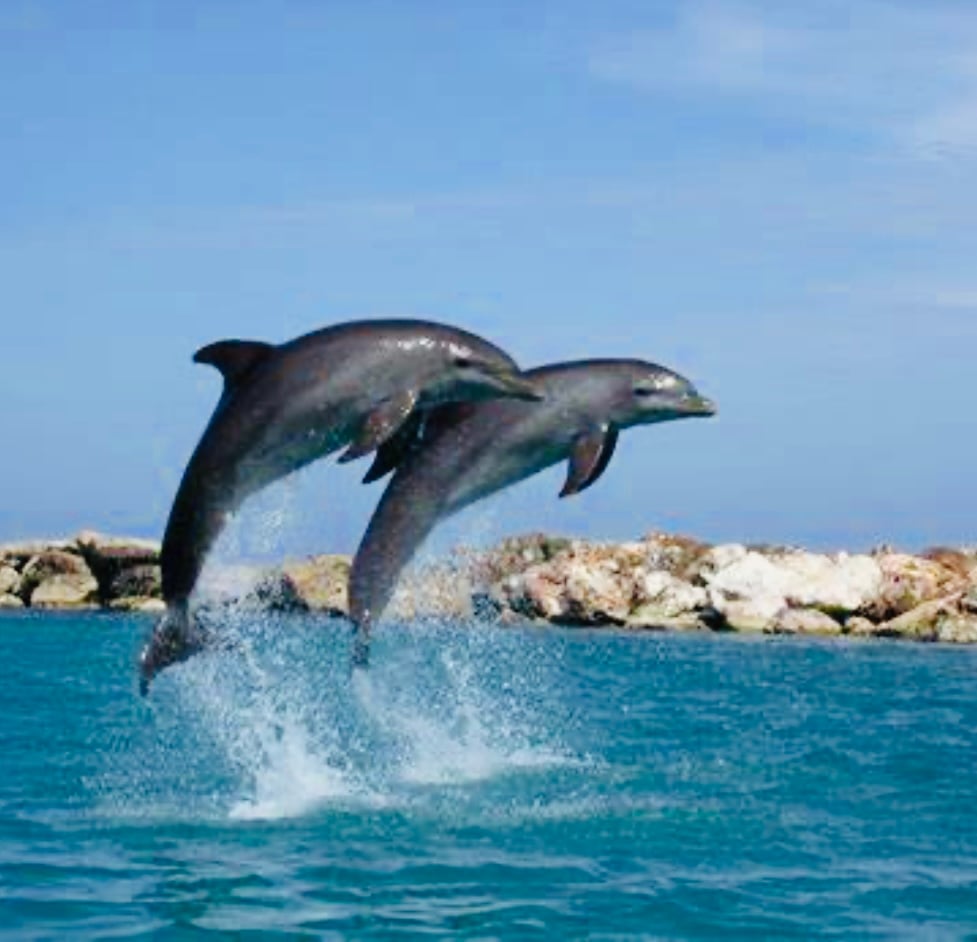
[{"x": 779, "y": 200}]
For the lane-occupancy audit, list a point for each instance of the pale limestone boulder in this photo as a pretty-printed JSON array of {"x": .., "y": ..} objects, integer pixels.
[
  {"x": 678, "y": 555},
  {"x": 920, "y": 624},
  {"x": 536, "y": 593},
  {"x": 133, "y": 549},
  {"x": 804, "y": 621},
  {"x": 860, "y": 627},
  {"x": 960, "y": 628},
  {"x": 745, "y": 615},
  {"x": 908, "y": 582},
  {"x": 761, "y": 586},
  {"x": 512, "y": 556},
  {"x": 9, "y": 581},
  {"x": 8, "y": 601},
  {"x": 586, "y": 588},
  {"x": 659, "y": 594},
  {"x": 319, "y": 583},
  {"x": 962, "y": 561},
  {"x": 597, "y": 593},
  {"x": 69, "y": 590},
  {"x": 721, "y": 557},
  {"x": 968, "y": 601},
  {"x": 17, "y": 554},
  {"x": 70, "y": 580},
  {"x": 840, "y": 583},
  {"x": 746, "y": 588},
  {"x": 142, "y": 604},
  {"x": 937, "y": 620}
]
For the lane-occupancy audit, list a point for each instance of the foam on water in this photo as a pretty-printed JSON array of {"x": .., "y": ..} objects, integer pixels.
[{"x": 294, "y": 732}]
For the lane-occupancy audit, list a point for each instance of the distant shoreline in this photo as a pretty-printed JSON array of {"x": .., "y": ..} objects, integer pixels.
[{"x": 660, "y": 582}]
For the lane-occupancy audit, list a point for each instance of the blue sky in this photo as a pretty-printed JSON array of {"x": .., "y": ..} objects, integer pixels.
[{"x": 778, "y": 200}]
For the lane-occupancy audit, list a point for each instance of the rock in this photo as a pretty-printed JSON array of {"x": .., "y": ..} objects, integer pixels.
[
  {"x": 317, "y": 584},
  {"x": 677, "y": 555},
  {"x": 9, "y": 581},
  {"x": 937, "y": 620},
  {"x": 957, "y": 628},
  {"x": 138, "y": 582},
  {"x": 804, "y": 621},
  {"x": 71, "y": 590},
  {"x": 17, "y": 554},
  {"x": 920, "y": 624},
  {"x": 968, "y": 601},
  {"x": 744, "y": 615},
  {"x": 860, "y": 627},
  {"x": 131, "y": 549},
  {"x": 108, "y": 557},
  {"x": 908, "y": 582},
  {"x": 963, "y": 563},
  {"x": 747, "y": 589},
  {"x": 587, "y": 586},
  {"x": 720, "y": 557},
  {"x": 70, "y": 579},
  {"x": 512, "y": 556},
  {"x": 665, "y": 601},
  {"x": 11, "y": 601},
  {"x": 134, "y": 603},
  {"x": 839, "y": 584},
  {"x": 759, "y": 587}
]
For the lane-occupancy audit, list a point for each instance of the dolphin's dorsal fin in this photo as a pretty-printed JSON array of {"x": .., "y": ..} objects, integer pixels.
[
  {"x": 591, "y": 454},
  {"x": 234, "y": 358}
]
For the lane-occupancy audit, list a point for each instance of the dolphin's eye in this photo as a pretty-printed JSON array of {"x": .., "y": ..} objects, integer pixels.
[
  {"x": 644, "y": 391},
  {"x": 463, "y": 362}
]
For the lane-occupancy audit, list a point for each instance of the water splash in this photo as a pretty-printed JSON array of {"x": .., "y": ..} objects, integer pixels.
[{"x": 284, "y": 730}]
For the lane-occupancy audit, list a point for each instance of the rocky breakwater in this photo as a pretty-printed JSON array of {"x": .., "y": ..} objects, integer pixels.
[
  {"x": 661, "y": 582},
  {"x": 86, "y": 572},
  {"x": 670, "y": 582}
]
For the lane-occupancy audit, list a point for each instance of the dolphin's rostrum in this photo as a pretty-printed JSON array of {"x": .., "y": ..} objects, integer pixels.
[
  {"x": 466, "y": 452},
  {"x": 359, "y": 385}
]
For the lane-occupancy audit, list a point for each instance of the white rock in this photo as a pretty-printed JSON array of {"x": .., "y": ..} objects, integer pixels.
[
  {"x": 10, "y": 601},
  {"x": 748, "y": 578},
  {"x": 9, "y": 580},
  {"x": 69, "y": 590},
  {"x": 804, "y": 621},
  {"x": 662, "y": 592},
  {"x": 721, "y": 557},
  {"x": 840, "y": 583}
]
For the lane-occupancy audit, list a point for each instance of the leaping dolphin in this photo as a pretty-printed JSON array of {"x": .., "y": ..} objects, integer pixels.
[
  {"x": 469, "y": 451},
  {"x": 357, "y": 384}
]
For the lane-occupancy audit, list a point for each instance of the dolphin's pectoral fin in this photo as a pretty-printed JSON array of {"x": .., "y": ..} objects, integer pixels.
[
  {"x": 234, "y": 358},
  {"x": 592, "y": 453},
  {"x": 381, "y": 425},
  {"x": 395, "y": 449}
]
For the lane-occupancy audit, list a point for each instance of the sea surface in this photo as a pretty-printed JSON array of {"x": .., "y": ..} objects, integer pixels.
[{"x": 484, "y": 783}]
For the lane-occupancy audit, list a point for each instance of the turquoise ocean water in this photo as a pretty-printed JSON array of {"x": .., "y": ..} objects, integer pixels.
[{"x": 485, "y": 783}]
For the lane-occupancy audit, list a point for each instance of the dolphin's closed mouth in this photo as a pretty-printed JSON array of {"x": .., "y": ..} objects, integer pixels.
[{"x": 699, "y": 405}]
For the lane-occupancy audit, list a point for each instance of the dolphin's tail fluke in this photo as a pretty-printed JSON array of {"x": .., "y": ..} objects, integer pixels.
[{"x": 175, "y": 638}]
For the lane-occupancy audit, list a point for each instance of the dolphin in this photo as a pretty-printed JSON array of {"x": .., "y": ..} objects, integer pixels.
[
  {"x": 357, "y": 385},
  {"x": 466, "y": 452}
]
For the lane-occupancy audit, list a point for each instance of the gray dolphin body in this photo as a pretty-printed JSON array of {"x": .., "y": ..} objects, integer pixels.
[
  {"x": 283, "y": 407},
  {"x": 470, "y": 451}
]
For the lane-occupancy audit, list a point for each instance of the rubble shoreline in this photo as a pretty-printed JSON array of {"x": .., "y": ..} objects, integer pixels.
[{"x": 660, "y": 582}]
